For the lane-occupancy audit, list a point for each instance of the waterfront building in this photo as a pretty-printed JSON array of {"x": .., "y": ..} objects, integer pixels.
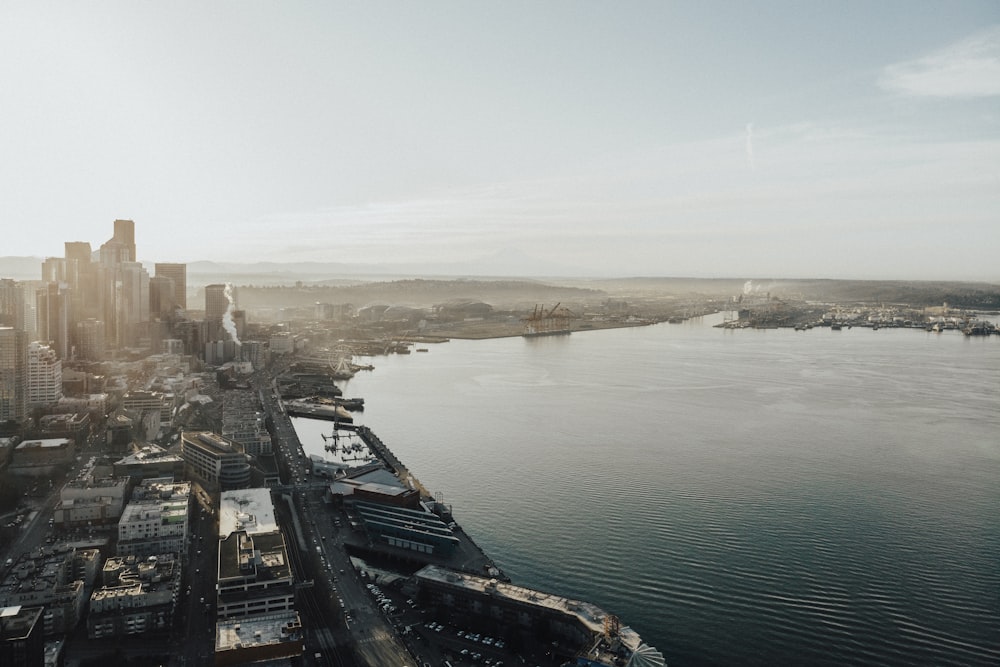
[
  {"x": 217, "y": 462},
  {"x": 136, "y": 596},
  {"x": 156, "y": 520},
  {"x": 44, "y": 375},
  {"x": 578, "y": 630},
  {"x": 21, "y": 641},
  {"x": 13, "y": 374},
  {"x": 178, "y": 274}
]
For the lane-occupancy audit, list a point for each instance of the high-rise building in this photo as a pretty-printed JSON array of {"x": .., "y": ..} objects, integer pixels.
[
  {"x": 13, "y": 374},
  {"x": 177, "y": 273},
  {"x": 90, "y": 340},
  {"x": 54, "y": 309},
  {"x": 125, "y": 234},
  {"x": 216, "y": 305},
  {"x": 11, "y": 304},
  {"x": 161, "y": 296},
  {"x": 44, "y": 375},
  {"x": 216, "y": 302},
  {"x": 78, "y": 250}
]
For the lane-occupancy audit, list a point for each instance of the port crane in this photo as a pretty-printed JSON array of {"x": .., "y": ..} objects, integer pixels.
[{"x": 545, "y": 321}]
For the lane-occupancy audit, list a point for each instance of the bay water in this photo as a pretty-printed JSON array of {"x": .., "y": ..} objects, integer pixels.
[{"x": 738, "y": 497}]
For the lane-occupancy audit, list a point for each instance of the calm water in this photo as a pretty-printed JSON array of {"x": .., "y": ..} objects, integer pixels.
[{"x": 737, "y": 497}]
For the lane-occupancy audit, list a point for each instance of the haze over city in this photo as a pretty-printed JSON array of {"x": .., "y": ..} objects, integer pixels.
[{"x": 845, "y": 140}]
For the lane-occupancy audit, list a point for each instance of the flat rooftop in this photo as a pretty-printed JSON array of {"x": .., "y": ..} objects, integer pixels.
[
  {"x": 254, "y": 631},
  {"x": 246, "y": 509}
]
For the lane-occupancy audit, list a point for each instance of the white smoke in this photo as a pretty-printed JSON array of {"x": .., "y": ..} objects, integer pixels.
[
  {"x": 748, "y": 287},
  {"x": 227, "y": 317},
  {"x": 753, "y": 166}
]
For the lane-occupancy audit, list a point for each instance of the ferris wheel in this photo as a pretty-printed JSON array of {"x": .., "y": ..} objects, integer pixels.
[{"x": 339, "y": 359}]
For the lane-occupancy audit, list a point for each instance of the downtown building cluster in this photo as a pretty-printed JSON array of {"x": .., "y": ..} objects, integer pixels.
[{"x": 108, "y": 378}]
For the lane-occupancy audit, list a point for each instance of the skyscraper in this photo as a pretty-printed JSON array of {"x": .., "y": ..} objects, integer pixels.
[
  {"x": 177, "y": 273},
  {"x": 11, "y": 304},
  {"x": 90, "y": 340},
  {"x": 13, "y": 374},
  {"x": 54, "y": 314},
  {"x": 125, "y": 234},
  {"x": 216, "y": 305}
]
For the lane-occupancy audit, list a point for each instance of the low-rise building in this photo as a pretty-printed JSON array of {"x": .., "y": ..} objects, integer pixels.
[
  {"x": 255, "y": 576},
  {"x": 267, "y": 637},
  {"x": 37, "y": 457},
  {"x": 218, "y": 462},
  {"x": 156, "y": 520},
  {"x": 91, "y": 500},
  {"x": 22, "y": 643},
  {"x": 136, "y": 596},
  {"x": 55, "y": 579},
  {"x": 150, "y": 462}
]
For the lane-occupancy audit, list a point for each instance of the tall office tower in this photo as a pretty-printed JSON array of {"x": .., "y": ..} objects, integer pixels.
[
  {"x": 30, "y": 290},
  {"x": 133, "y": 309},
  {"x": 216, "y": 305},
  {"x": 161, "y": 296},
  {"x": 53, "y": 303},
  {"x": 177, "y": 273},
  {"x": 44, "y": 375},
  {"x": 80, "y": 273},
  {"x": 13, "y": 374},
  {"x": 11, "y": 304},
  {"x": 90, "y": 340},
  {"x": 79, "y": 251},
  {"x": 125, "y": 234}
]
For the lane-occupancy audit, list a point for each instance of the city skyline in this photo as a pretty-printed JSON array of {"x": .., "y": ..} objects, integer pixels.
[{"x": 706, "y": 140}]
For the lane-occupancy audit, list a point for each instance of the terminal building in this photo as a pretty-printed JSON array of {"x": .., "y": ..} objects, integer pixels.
[{"x": 580, "y": 632}]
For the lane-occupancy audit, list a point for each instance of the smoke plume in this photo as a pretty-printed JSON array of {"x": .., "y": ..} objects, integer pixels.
[{"x": 227, "y": 318}]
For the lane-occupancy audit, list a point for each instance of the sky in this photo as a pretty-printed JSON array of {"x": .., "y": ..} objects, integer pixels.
[{"x": 710, "y": 139}]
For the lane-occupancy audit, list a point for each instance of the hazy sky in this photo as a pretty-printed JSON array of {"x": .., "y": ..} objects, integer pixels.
[{"x": 738, "y": 139}]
